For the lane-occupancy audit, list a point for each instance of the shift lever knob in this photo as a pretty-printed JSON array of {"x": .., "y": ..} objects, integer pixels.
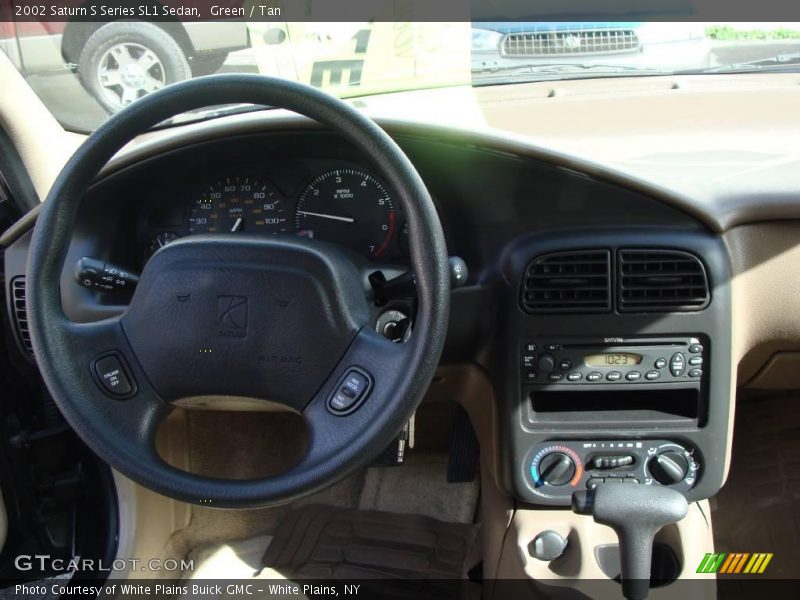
[{"x": 636, "y": 513}]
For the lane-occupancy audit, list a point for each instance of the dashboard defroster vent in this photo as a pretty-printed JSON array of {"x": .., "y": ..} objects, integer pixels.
[
  {"x": 653, "y": 280},
  {"x": 21, "y": 313},
  {"x": 568, "y": 282}
]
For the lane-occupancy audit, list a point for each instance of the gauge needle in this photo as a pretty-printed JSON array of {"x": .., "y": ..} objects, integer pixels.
[
  {"x": 237, "y": 225},
  {"x": 324, "y": 216}
]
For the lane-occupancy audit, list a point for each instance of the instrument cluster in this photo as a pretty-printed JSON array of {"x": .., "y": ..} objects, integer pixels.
[{"x": 344, "y": 205}]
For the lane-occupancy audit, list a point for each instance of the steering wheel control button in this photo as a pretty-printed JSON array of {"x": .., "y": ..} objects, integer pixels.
[
  {"x": 350, "y": 392},
  {"x": 112, "y": 375},
  {"x": 594, "y": 376},
  {"x": 677, "y": 365},
  {"x": 652, "y": 375}
]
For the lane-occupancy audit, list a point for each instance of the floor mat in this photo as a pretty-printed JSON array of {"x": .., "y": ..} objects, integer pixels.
[
  {"x": 412, "y": 555},
  {"x": 758, "y": 509}
]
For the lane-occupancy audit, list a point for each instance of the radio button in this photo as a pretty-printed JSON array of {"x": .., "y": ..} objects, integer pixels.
[
  {"x": 677, "y": 365},
  {"x": 633, "y": 376},
  {"x": 552, "y": 347},
  {"x": 531, "y": 375},
  {"x": 696, "y": 348},
  {"x": 696, "y": 373},
  {"x": 660, "y": 363},
  {"x": 554, "y": 377},
  {"x": 529, "y": 361},
  {"x": 546, "y": 362},
  {"x": 593, "y": 376},
  {"x": 565, "y": 364},
  {"x": 614, "y": 376},
  {"x": 695, "y": 361},
  {"x": 530, "y": 347},
  {"x": 652, "y": 375},
  {"x": 574, "y": 376}
]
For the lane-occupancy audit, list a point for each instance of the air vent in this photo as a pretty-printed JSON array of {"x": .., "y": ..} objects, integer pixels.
[
  {"x": 661, "y": 281},
  {"x": 568, "y": 282},
  {"x": 21, "y": 313}
]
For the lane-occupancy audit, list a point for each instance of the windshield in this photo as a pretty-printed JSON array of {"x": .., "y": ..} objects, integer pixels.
[{"x": 85, "y": 71}]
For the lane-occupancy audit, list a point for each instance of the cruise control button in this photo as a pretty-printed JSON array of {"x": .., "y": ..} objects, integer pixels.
[
  {"x": 695, "y": 361},
  {"x": 695, "y": 348},
  {"x": 352, "y": 389},
  {"x": 633, "y": 376},
  {"x": 593, "y": 376},
  {"x": 696, "y": 373},
  {"x": 574, "y": 376},
  {"x": 113, "y": 376},
  {"x": 660, "y": 363},
  {"x": 555, "y": 377},
  {"x": 652, "y": 375},
  {"x": 614, "y": 376}
]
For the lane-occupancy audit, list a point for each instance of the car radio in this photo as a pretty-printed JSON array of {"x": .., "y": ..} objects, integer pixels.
[{"x": 611, "y": 360}]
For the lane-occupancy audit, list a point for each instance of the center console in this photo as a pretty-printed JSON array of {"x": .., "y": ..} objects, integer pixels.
[{"x": 616, "y": 363}]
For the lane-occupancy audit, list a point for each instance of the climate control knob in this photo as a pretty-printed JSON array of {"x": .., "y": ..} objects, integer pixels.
[
  {"x": 668, "y": 467},
  {"x": 556, "y": 468}
]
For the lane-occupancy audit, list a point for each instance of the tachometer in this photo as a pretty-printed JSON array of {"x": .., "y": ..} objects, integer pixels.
[
  {"x": 349, "y": 207},
  {"x": 239, "y": 204}
]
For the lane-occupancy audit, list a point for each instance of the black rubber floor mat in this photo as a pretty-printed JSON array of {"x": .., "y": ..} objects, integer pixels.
[
  {"x": 758, "y": 509},
  {"x": 399, "y": 555}
]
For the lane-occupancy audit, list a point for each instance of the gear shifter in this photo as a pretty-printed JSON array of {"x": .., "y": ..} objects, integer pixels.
[{"x": 636, "y": 513}]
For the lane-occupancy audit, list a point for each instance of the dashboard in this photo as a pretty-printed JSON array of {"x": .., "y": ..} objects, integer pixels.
[{"x": 583, "y": 341}]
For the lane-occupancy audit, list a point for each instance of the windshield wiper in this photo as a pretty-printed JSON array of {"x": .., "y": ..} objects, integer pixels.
[
  {"x": 558, "y": 69},
  {"x": 773, "y": 63}
]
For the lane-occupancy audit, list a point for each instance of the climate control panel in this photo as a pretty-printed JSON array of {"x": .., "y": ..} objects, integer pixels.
[{"x": 554, "y": 470}]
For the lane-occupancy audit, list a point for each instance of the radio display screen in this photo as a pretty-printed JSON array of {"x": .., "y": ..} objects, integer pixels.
[{"x": 612, "y": 359}]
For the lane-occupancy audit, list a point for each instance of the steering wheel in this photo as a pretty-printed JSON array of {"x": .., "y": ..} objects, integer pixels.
[{"x": 279, "y": 319}]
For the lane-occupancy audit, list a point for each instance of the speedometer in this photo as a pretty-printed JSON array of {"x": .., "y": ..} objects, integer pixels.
[
  {"x": 349, "y": 207},
  {"x": 236, "y": 204}
]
